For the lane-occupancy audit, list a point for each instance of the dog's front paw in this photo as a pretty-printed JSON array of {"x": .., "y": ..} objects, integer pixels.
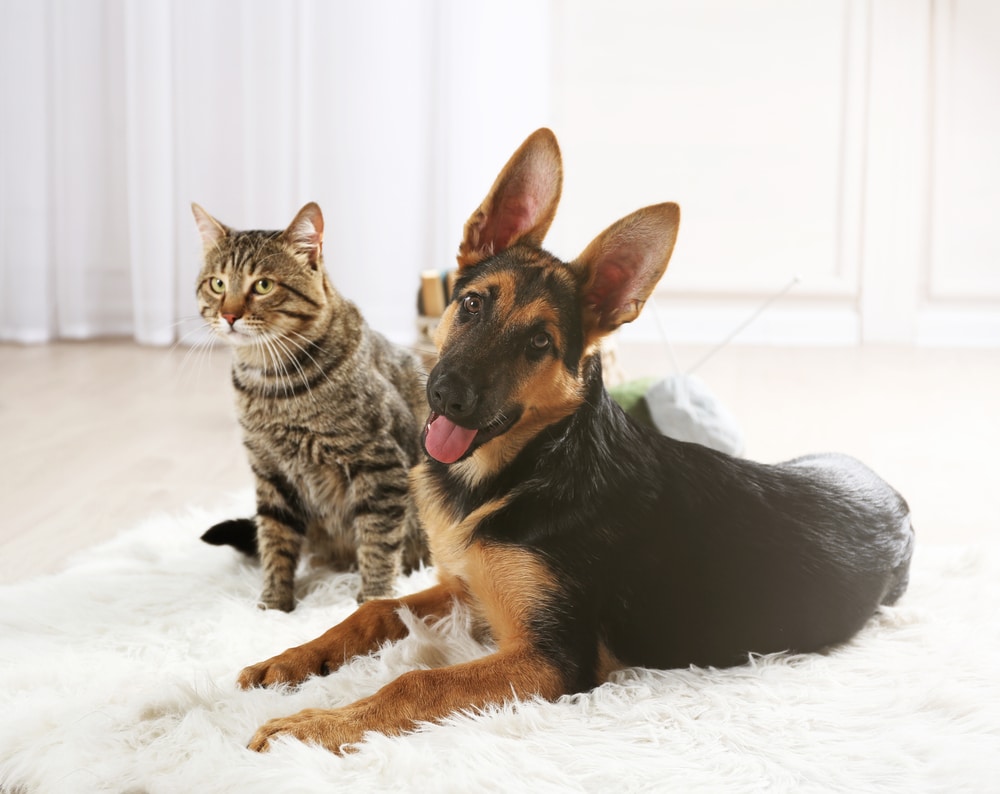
[
  {"x": 291, "y": 667},
  {"x": 329, "y": 729}
]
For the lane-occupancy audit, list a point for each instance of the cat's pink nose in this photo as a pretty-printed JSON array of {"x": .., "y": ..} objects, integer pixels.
[{"x": 230, "y": 318}]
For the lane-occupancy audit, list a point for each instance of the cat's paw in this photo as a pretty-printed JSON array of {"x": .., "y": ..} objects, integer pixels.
[
  {"x": 273, "y": 600},
  {"x": 291, "y": 667},
  {"x": 365, "y": 594}
]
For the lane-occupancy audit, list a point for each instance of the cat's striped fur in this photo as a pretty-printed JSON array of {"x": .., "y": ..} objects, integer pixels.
[{"x": 331, "y": 411}]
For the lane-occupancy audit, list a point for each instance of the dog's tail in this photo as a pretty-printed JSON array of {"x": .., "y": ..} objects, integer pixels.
[{"x": 240, "y": 533}]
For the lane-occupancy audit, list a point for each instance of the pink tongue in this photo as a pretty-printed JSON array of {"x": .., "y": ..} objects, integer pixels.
[{"x": 445, "y": 441}]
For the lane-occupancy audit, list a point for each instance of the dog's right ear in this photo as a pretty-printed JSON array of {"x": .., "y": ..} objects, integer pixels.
[
  {"x": 620, "y": 268},
  {"x": 211, "y": 230},
  {"x": 521, "y": 204}
]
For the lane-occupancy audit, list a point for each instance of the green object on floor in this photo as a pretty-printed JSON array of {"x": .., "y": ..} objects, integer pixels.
[
  {"x": 631, "y": 395},
  {"x": 682, "y": 407}
]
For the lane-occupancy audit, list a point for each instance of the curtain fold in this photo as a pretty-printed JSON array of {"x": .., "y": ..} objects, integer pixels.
[
  {"x": 149, "y": 161},
  {"x": 26, "y": 277},
  {"x": 119, "y": 113}
]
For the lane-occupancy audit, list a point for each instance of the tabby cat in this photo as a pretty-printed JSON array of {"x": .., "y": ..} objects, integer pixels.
[{"x": 331, "y": 411}]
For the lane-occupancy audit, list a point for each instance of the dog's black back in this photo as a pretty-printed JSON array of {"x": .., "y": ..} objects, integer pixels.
[{"x": 676, "y": 554}]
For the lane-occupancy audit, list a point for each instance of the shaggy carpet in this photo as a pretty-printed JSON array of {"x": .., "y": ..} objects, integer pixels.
[{"x": 118, "y": 675}]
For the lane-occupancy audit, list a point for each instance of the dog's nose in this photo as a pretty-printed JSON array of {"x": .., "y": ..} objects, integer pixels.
[{"x": 452, "y": 396}]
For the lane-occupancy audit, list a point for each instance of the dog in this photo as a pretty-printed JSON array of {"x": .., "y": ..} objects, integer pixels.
[{"x": 584, "y": 542}]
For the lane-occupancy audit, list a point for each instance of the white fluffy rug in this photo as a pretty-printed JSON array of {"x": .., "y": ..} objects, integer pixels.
[{"x": 118, "y": 675}]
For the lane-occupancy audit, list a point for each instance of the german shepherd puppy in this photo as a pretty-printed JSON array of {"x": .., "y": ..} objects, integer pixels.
[{"x": 583, "y": 541}]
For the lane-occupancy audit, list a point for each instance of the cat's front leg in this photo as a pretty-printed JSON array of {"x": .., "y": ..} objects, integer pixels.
[
  {"x": 280, "y": 548},
  {"x": 281, "y": 530},
  {"x": 382, "y": 517}
]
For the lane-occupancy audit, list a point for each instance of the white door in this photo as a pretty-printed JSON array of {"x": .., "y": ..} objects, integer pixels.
[{"x": 847, "y": 144}]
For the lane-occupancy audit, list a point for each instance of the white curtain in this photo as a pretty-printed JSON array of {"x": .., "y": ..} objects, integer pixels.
[{"x": 117, "y": 114}]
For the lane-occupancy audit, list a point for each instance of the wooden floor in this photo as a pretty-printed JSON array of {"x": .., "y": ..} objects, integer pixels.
[{"x": 97, "y": 436}]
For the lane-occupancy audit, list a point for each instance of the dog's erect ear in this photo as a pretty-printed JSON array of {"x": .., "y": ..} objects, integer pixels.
[
  {"x": 521, "y": 204},
  {"x": 305, "y": 233},
  {"x": 623, "y": 264},
  {"x": 211, "y": 230}
]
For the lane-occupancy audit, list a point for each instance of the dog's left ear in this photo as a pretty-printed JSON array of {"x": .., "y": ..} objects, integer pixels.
[
  {"x": 623, "y": 264},
  {"x": 521, "y": 204}
]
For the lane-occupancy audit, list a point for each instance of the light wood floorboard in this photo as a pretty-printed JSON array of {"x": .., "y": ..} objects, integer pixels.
[{"x": 97, "y": 436}]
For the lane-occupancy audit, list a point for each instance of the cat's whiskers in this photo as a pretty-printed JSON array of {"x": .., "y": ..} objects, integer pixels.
[
  {"x": 309, "y": 344},
  {"x": 197, "y": 353},
  {"x": 198, "y": 350},
  {"x": 308, "y": 355},
  {"x": 208, "y": 338},
  {"x": 283, "y": 359},
  {"x": 200, "y": 324},
  {"x": 283, "y": 342},
  {"x": 269, "y": 368},
  {"x": 421, "y": 373},
  {"x": 277, "y": 365}
]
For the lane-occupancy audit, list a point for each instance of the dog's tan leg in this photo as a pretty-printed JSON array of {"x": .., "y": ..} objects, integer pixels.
[
  {"x": 374, "y": 623},
  {"x": 422, "y": 695}
]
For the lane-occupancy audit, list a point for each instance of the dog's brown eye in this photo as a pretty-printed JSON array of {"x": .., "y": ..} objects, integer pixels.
[
  {"x": 473, "y": 304},
  {"x": 541, "y": 341}
]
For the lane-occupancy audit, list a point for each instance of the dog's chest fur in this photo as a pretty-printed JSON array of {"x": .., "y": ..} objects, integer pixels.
[
  {"x": 450, "y": 525},
  {"x": 503, "y": 581}
]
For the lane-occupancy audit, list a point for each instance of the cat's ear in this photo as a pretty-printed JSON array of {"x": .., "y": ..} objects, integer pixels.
[
  {"x": 305, "y": 233},
  {"x": 211, "y": 230},
  {"x": 521, "y": 204},
  {"x": 623, "y": 264}
]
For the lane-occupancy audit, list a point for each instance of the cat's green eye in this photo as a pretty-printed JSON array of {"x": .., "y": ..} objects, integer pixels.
[
  {"x": 263, "y": 286},
  {"x": 217, "y": 285}
]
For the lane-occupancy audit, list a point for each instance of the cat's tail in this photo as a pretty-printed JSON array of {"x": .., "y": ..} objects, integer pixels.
[{"x": 240, "y": 533}]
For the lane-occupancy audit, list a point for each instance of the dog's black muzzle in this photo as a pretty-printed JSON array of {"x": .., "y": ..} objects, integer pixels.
[{"x": 452, "y": 395}]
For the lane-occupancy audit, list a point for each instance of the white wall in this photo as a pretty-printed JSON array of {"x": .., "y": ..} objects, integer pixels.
[{"x": 849, "y": 142}]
